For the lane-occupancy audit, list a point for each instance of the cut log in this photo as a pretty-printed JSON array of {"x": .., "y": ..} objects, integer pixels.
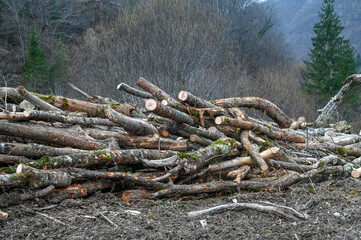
[
  {"x": 356, "y": 173},
  {"x": 64, "y": 137},
  {"x": 148, "y": 142},
  {"x": 92, "y": 109},
  {"x": 168, "y": 112},
  {"x": 253, "y": 152},
  {"x": 246, "y": 125},
  {"x": 54, "y": 117},
  {"x": 35, "y": 150},
  {"x": 262, "y": 104},
  {"x": 37, "y": 101},
  {"x": 330, "y": 107},
  {"x": 241, "y": 161},
  {"x": 200, "y": 140},
  {"x": 13, "y": 180},
  {"x": 326, "y": 160},
  {"x": 160, "y": 94},
  {"x": 42, "y": 178},
  {"x": 78, "y": 190},
  {"x": 14, "y": 198},
  {"x": 116, "y": 176},
  {"x": 199, "y": 103},
  {"x": 239, "y": 173},
  {"x": 94, "y": 99},
  {"x": 194, "y": 101},
  {"x": 198, "y": 159},
  {"x": 134, "y": 125},
  {"x": 3, "y": 215},
  {"x": 9, "y": 159},
  {"x": 134, "y": 91},
  {"x": 238, "y": 113},
  {"x": 104, "y": 157}
]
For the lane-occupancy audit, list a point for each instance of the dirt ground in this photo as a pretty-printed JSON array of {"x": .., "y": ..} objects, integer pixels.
[{"x": 334, "y": 208}]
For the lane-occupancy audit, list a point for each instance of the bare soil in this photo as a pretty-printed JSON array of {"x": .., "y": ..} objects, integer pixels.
[{"x": 334, "y": 207}]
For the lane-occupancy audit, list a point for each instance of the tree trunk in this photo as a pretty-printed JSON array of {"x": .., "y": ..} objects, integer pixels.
[{"x": 330, "y": 107}]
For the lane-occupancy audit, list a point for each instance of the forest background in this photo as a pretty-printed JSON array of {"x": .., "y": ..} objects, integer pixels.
[{"x": 212, "y": 48}]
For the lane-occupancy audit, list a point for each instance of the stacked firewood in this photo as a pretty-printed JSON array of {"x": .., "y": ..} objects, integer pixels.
[{"x": 53, "y": 147}]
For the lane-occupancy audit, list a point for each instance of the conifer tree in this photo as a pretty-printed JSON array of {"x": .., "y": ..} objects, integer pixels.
[
  {"x": 59, "y": 70},
  {"x": 332, "y": 57},
  {"x": 35, "y": 75}
]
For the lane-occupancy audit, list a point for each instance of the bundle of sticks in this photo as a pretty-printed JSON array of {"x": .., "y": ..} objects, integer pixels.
[{"x": 54, "y": 147}]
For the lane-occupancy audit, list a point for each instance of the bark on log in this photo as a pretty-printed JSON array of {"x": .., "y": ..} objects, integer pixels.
[
  {"x": 148, "y": 142},
  {"x": 262, "y": 104},
  {"x": 116, "y": 176},
  {"x": 134, "y": 91},
  {"x": 246, "y": 125},
  {"x": 134, "y": 125},
  {"x": 14, "y": 198},
  {"x": 35, "y": 150},
  {"x": 92, "y": 109},
  {"x": 200, "y": 140},
  {"x": 13, "y": 180},
  {"x": 160, "y": 94},
  {"x": 93, "y": 99},
  {"x": 103, "y": 157},
  {"x": 197, "y": 102},
  {"x": 54, "y": 117},
  {"x": 198, "y": 159},
  {"x": 9, "y": 159},
  {"x": 194, "y": 101},
  {"x": 168, "y": 112},
  {"x": 78, "y": 190},
  {"x": 330, "y": 107},
  {"x": 10, "y": 95},
  {"x": 253, "y": 152},
  {"x": 64, "y": 137},
  {"x": 42, "y": 178},
  {"x": 238, "y": 113},
  {"x": 239, "y": 173},
  {"x": 241, "y": 161},
  {"x": 37, "y": 101}
]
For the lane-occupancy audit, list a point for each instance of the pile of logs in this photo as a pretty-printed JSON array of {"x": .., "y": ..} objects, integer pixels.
[{"x": 54, "y": 148}]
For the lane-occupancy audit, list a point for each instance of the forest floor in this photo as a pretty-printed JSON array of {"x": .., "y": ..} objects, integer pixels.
[{"x": 333, "y": 206}]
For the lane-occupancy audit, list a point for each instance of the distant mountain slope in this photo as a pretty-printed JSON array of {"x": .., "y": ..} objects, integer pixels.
[{"x": 297, "y": 17}]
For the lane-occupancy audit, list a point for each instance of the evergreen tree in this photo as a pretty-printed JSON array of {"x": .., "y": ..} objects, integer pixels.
[
  {"x": 59, "y": 70},
  {"x": 35, "y": 75},
  {"x": 332, "y": 57}
]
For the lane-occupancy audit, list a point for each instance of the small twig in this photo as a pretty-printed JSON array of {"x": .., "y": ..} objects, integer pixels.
[
  {"x": 51, "y": 218},
  {"x": 107, "y": 219}
]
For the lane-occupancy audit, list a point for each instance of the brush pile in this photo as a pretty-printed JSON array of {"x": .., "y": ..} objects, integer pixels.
[{"x": 53, "y": 147}]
